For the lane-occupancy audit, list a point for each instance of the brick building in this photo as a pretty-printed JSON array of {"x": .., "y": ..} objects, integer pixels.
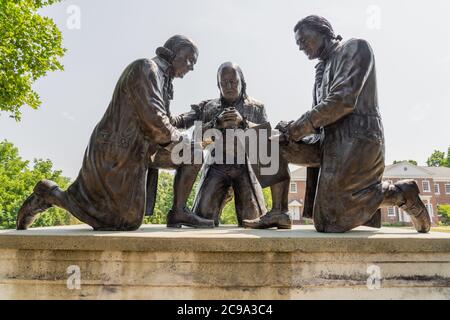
[{"x": 434, "y": 185}]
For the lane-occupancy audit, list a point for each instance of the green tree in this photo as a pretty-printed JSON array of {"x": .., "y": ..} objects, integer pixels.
[
  {"x": 228, "y": 215},
  {"x": 447, "y": 162},
  {"x": 17, "y": 180},
  {"x": 414, "y": 162},
  {"x": 164, "y": 198},
  {"x": 30, "y": 46},
  {"x": 229, "y": 211},
  {"x": 444, "y": 213},
  {"x": 439, "y": 159}
]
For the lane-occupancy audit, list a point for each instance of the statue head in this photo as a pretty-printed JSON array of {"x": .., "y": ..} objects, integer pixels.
[
  {"x": 231, "y": 82},
  {"x": 181, "y": 52},
  {"x": 313, "y": 34}
]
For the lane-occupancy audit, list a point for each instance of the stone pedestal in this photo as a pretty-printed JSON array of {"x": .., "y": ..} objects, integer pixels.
[{"x": 223, "y": 263}]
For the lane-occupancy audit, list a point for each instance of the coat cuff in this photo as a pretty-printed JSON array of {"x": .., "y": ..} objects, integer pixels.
[{"x": 302, "y": 127}]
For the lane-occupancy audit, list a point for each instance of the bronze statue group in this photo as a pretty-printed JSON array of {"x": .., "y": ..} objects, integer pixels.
[{"x": 340, "y": 140}]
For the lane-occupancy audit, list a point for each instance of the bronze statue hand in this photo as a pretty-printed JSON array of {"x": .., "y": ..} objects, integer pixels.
[
  {"x": 282, "y": 126},
  {"x": 238, "y": 119},
  {"x": 283, "y": 139},
  {"x": 229, "y": 118},
  {"x": 301, "y": 127}
]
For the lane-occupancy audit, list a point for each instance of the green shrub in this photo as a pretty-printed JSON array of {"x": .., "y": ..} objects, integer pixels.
[{"x": 444, "y": 214}]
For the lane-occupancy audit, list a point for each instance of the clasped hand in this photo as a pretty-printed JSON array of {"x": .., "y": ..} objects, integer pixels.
[{"x": 229, "y": 118}]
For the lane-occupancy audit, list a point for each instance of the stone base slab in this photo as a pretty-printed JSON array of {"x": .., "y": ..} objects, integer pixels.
[{"x": 223, "y": 263}]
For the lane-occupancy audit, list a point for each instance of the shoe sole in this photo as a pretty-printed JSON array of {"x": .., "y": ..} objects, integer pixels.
[
  {"x": 179, "y": 225},
  {"x": 281, "y": 227}
]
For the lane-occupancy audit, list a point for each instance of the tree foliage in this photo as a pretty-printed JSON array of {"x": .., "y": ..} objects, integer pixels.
[
  {"x": 17, "y": 181},
  {"x": 228, "y": 215},
  {"x": 439, "y": 159},
  {"x": 229, "y": 211},
  {"x": 164, "y": 198},
  {"x": 414, "y": 162},
  {"x": 30, "y": 46},
  {"x": 444, "y": 213}
]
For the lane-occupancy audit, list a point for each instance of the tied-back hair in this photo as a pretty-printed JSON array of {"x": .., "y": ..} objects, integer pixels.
[
  {"x": 238, "y": 69},
  {"x": 319, "y": 24},
  {"x": 174, "y": 45}
]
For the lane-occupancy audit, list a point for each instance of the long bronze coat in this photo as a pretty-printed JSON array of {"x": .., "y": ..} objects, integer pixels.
[
  {"x": 346, "y": 191},
  {"x": 254, "y": 112},
  {"x": 110, "y": 191}
]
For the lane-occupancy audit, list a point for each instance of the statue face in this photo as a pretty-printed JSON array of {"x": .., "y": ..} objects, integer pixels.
[
  {"x": 310, "y": 42},
  {"x": 184, "y": 61},
  {"x": 230, "y": 84}
]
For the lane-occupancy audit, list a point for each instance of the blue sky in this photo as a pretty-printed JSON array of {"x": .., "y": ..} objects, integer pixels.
[{"x": 409, "y": 38}]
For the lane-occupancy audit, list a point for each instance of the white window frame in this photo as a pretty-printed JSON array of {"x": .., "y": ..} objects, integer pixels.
[
  {"x": 426, "y": 183},
  {"x": 437, "y": 188},
  {"x": 391, "y": 212},
  {"x": 447, "y": 188},
  {"x": 430, "y": 209},
  {"x": 295, "y": 188}
]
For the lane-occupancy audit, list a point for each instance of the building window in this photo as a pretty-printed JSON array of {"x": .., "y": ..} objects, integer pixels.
[
  {"x": 430, "y": 209},
  {"x": 426, "y": 186},
  {"x": 293, "y": 188},
  {"x": 391, "y": 212},
  {"x": 447, "y": 188},
  {"x": 436, "y": 188}
]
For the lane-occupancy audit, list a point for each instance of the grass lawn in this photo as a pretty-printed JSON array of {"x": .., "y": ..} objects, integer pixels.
[
  {"x": 441, "y": 229},
  {"x": 433, "y": 229}
]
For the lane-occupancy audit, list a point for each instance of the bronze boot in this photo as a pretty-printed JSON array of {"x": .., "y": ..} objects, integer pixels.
[
  {"x": 179, "y": 218},
  {"x": 414, "y": 206},
  {"x": 34, "y": 204},
  {"x": 271, "y": 219}
]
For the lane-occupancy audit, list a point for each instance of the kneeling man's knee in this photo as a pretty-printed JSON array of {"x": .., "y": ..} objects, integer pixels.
[{"x": 326, "y": 227}]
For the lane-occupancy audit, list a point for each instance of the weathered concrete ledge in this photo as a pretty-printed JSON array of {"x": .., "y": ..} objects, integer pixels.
[{"x": 223, "y": 263}]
